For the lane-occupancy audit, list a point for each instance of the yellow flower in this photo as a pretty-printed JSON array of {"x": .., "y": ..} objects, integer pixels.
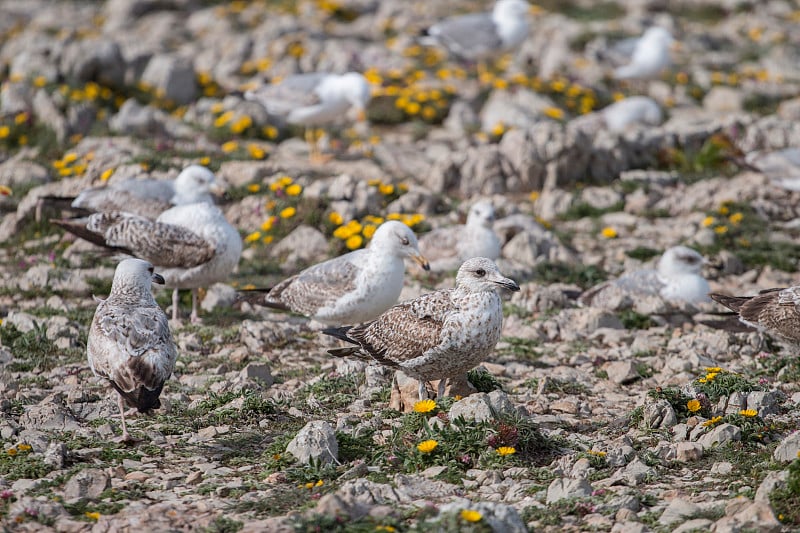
[
  {"x": 230, "y": 146},
  {"x": 94, "y": 515},
  {"x": 335, "y": 218},
  {"x": 506, "y": 450},
  {"x": 558, "y": 85},
  {"x": 424, "y": 406},
  {"x": 319, "y": 483},
  {"x": 390, "y": 529},
  {"x": 470, "y": 515},
  {"x": 713, "y": 369},
  {"x": 270, "y": 132},
  {"x": 107, "y": 173},
  {"x": 736, "y": 218},
  {"x": 368, "y": 231},
  {"x": 412, "y": 108},
  {"x": 267, "y": 224},
  {"x": 554, "y": 112},
  {"x": 608, "y": 232},
  {"x": 711, "y": 422},
  {"x": 387, "y": 189},
  {"x": 309, "y": 485},
  {"x": 285, "y": 181},
  {"x": 748, "y": 413},
  {"x": 39, "y": 81},
  {"x": 693, "y": 406},
  {"x": 498, "y": 129},
  {"x": 721, "y": 229},
  {"x": 711, "y": 375},
  {"x": 254, "y": 187},
  {"x": 267, "y": 239},
  {"x": 288, "y": 212},
  {"x": 354, "y": 242},
  {"x": 427, "y": 446},
  {"x": 253, "y": 237},
  {"x": 205, "y": 161},
  {"x": 5, "y": 131},
  {"x": 241, "y": 124},
  {"x": 255, "y": 151},
  {"x": 296, "y": 50},
  {"x": 20, "y": 118},
  {"x": 500, "y": 83},
  {"x": 294, "y": 189},
  {"x": 11, "y": 451},
  {"x": 428, "y": 112},
  {"x": 70, "y": 157},
  {"x": 24, "y": 447},
  {"x": 681, "y": 78},
  {"x": 597, "y": 453},
  {"x": 708, "y": 221},
  {"x": 343, "y": 232},
  {"x": 5, "y": 191},
  {"x": 22, "y": 140},
  {"x": 223, "y": 119}
]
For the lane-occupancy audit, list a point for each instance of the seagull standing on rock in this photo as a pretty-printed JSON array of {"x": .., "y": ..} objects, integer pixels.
[
  {"x": 438, "y": 335},
  {"x": 314, "y": 99},
  {"x": 129, "y": 342},
  {"x": 650, "y": 56},
  {"x": 352, "y": 288}
]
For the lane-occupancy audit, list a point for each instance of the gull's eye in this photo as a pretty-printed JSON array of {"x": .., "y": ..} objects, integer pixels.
[
  {"x": 405, "y": 241},
  {"x": 480, "y": 272},
  {"x": 150, "y": 270}
]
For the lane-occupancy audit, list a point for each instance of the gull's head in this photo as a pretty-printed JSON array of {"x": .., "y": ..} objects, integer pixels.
[
  {"x": 511, "y": 9},
  {"x": 396, "y": 238},
  {"x": 480, "y": 274},
  {"x": 134, "y": 274},
  {"x": 357, "y": 91},
  {"x": 680, "y": 260},
  {"x": 658, "y": 36},
  {"x": 481, "y": 214},
  {"x": 195, "y": 183}
]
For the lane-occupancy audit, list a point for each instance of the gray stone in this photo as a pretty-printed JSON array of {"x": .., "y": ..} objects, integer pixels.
[
  {"x": 622, "y": 372},
  {"x": 481, "y": 406},
  {"x": 659, "y": 414},
  {"x": 498, "y": 516},
  {"x": 48, "y": 112},
  {"x": 56, "y": 455},
  {"x": 317, "y": 441},
  {"x": 563, "y": 488},
  {"x": 98, "y": 60},
  {"x": 172, "y": 77},
  {"x": 772, "y": 481},
  {"x": 721, "y": 435},
  {"x": 688, "y": 451},
  {"x": 258, "y": 371},
  {"x": 721, "y": 99},
  {"x": 756, "y": 516},
  {"x": 87, "y": 484},
  {"x": 518, "y": 109},
  {"x": 634, "y": 474},
  {"x": 219, "y": 295},
  {"x": 629, "y": 527},
  {"x": 789, "y": 448},
  {"x": 694, "y": 525},
  {"x": 678, "y": 510},
  {"x": 50, "y": 413},
  {"x": 303, "y": 246},
  {"x": 138, "y": 119}
]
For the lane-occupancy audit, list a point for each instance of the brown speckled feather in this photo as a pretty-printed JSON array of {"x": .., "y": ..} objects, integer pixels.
[
  {"x": 316, "y": 287},
  {"x": 773, "y": 310}
]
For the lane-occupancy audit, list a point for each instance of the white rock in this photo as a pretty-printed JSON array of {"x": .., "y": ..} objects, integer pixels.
[
  {"x": 563, "y": 488},
  {"x": 316, "y": 440}
]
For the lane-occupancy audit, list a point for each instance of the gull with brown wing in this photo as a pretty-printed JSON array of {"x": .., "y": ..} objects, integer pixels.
[
  {"x": 773, "y": 310},
  {"x": 438, "y": 335},
  {"x": 129, "y": 341}
]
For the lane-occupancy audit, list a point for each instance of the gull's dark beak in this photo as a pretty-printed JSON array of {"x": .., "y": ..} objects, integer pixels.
[
  {"x": 158, "y": 278},
  {"x": 509, "y": 284},
  {"x": 421, "y": 261}
]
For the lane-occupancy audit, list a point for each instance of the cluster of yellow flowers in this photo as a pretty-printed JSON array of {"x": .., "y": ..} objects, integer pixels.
[
  {"x": 240, "y": 124},
  {"x": 19, "y": 448},
  {"x": 355, "y": 233},
  {"x": 72, "y": 165},
  {"x": 208, "y": 85},
  {"x": 719, "y": 224},
  {"x": 9, "y": 132},
  {"x": 388, "y": 189},
  {"x": 712, "y": 422},
  {"x": 282, "y": 187}
]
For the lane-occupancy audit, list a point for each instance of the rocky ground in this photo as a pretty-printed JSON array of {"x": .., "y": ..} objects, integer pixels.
[{"x": 636, "y": 418}]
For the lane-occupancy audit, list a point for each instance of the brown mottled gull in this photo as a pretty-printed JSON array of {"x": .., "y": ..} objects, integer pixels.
[
  {"x": 439, "y": 335},
  {"x": 193, "y": 245},
  {"x": 129, "y": 341},
  {"x": 354, "y": 287},
  {"x": 774, "y": 310},
  {"x": 447, "y": 248}
]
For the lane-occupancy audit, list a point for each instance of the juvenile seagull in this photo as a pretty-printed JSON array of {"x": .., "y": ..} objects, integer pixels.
[
  {"x": 774, "y": 310},
  {"x": 193, "y": 245},
  {"x": 447, "y": 248},
  {"x": 478, "y": 36},
  {"x": 352, "y": 288},
  {"x": 150, "y": 197},
  {"x": 438, "y": 335},
  {"x": 650, "y": 55},
  {"x": 314, "y": 99},
  {"x": 677, "y": 278},
  {"x": 129, "y": 341}
]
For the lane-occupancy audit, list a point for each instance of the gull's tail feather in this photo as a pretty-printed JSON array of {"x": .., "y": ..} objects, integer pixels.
[{"x": 733, "y": 303}]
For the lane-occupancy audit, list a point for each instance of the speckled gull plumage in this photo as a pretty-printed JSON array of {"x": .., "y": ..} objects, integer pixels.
[
  {"x": 193, "y": 245},
  {"x": 677, "y": 278},
  {"x": 481, "y": 35},
  {"x": 773, "y": 310},
  {"x": 439, "y": 335},
  {"x": 129, "y": 342},
  {"x": 447, "y": 248},
  {"x": 351, "y": 288}
]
